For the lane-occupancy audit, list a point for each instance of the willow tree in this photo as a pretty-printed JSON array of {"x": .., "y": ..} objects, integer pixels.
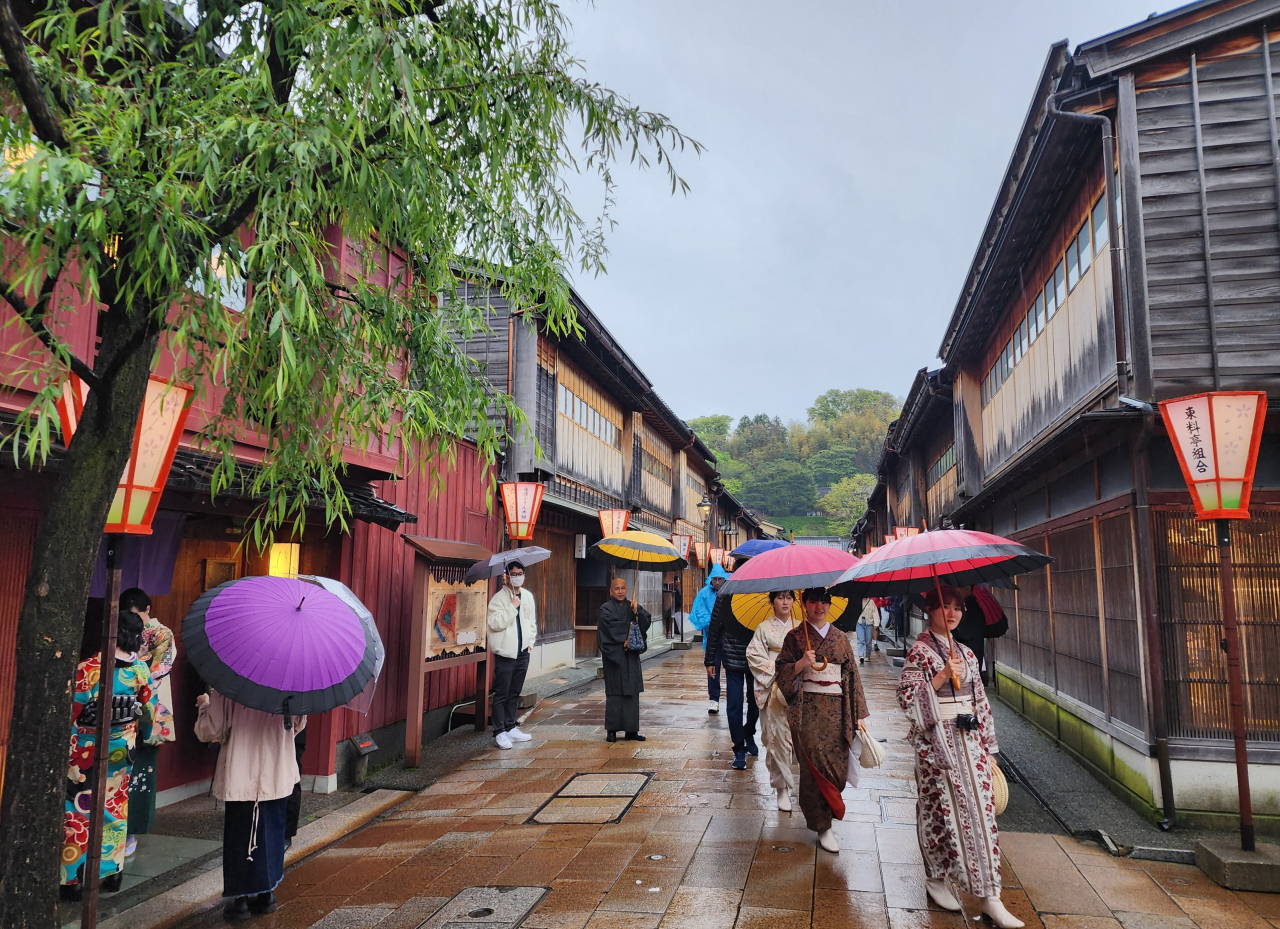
[{"x": 161, "y": 156}]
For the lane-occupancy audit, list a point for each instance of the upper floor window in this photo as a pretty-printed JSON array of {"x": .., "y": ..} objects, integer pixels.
[
  {"x": 586, "y": 416},
  {"x": 1083, "y": 247},
  {"x": 946, "y": 461},
  {"x": 655, "y": 466}
]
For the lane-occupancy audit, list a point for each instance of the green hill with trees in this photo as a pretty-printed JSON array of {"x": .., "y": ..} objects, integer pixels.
[{"x": 805, "y": 475}]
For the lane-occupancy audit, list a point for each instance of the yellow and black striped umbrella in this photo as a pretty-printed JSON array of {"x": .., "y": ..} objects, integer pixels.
[
  {"x": 750, "y": 610},
  {"x": 641, "y": 551}
]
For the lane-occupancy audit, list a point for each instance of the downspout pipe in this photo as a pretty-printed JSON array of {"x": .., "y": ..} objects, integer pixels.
[{"x": 1113, "y": 229}]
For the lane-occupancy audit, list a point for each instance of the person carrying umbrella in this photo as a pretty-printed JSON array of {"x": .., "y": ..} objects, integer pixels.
[
  {"x": 983, "y": 619},
  {"x": 621, "y": 631},
  {"x": 513, "y": 625},
  {"x": 700, "y": 619},
  {"x": 775, "y": 731},
  {"x": 817, "y": 674},
  {"x": 954, "y": 736},
  {"x": 724, "y": 644}
]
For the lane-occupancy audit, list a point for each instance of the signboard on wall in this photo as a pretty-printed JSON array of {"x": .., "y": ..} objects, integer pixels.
[{"x": 456, "y": 613}]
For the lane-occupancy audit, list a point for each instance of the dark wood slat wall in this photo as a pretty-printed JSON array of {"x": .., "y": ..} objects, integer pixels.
[
  {"x": 1207, "y": 152},
  {"x": 1120, "y": 609}
]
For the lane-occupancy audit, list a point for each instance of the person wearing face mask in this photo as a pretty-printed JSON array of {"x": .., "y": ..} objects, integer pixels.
[
  {"x": 818, "y": 675},
  {"x": 513, "y": 625},
  {"x": 954, "y": 737}
]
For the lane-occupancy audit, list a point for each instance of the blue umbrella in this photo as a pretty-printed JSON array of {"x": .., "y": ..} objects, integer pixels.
[{"x": 753, "y": 547}]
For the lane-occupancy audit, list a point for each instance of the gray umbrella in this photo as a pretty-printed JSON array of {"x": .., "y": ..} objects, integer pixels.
[{"x": 497, "y": 564}]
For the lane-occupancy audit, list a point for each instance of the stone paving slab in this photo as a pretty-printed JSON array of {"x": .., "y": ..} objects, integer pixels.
[{"x": 726, "y": 857}]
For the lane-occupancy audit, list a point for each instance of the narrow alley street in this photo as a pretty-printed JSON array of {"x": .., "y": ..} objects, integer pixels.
[{"x": 700, "y": 846}]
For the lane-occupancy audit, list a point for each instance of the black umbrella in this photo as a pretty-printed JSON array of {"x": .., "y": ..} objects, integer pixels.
[{"x": 497, "y": 564}]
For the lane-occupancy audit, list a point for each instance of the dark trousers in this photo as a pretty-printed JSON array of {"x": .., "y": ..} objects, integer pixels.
[
  {"x": 622, "y": 713},
  {"x": 294, "y": 808},
  {"x": 713, "y": 683},
  {"x": 508, "y": 681},
  {"x": 735, "y": 683}
]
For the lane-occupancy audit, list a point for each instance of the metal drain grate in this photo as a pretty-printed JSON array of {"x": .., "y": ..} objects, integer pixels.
[
  {"x": 592, "y": 798},
  {"x": 486, "y": 908}
]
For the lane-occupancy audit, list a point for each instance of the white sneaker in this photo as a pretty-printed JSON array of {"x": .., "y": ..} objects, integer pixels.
[
  {"x": 941, "y": 894},
  {"x": 828, "y": 841},
  {"x": 784, "y": 800},
  {"x": 503, "y": 740},
  {"x": 515, "y": 735},
  {"x": 999, "y": 915},
  {"x": 714, "y": 707}
]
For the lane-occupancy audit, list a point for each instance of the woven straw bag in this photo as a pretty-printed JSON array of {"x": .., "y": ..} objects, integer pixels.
[
  {"x": 872, "y": 755},
  {"x": 999, "y": 788}
]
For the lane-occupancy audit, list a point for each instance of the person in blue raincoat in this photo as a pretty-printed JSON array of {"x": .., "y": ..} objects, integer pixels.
[{"x": 700, "y": 619}]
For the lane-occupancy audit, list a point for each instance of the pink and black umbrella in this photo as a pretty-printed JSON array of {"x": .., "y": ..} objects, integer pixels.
[
  {"x": 959, "y": 557},
  {"x": 280, "y": 645},
  {"x": 792, "y": 567}
]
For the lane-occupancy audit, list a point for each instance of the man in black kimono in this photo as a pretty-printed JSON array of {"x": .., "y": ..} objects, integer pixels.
[{"x": 623, "y": 680}]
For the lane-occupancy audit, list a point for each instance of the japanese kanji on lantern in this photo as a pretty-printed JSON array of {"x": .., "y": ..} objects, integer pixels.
[
  {"x": 682, "y": 543},
  {"x": 614, "y": 521},
  {"x": 1216, "y": 437},
  {"x": 521, "y": 501}
]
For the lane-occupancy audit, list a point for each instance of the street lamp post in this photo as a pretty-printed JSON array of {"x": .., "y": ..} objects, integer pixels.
[
  {"x": 1216, "y": 437},
  {"x": 155, "y": 441}
]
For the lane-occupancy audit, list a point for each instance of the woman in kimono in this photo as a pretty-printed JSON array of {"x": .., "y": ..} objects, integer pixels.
[
  {"x": 132, "y": 699},
  {"x": 954, "y": 738},
  {"x": 775, "y": 730},
  {"x": 159, "y": 652},
  {"x": 818, "y": 675}
]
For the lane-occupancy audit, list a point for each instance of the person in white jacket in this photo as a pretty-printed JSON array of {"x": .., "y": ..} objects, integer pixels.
[{"x": 513, "y": 625}]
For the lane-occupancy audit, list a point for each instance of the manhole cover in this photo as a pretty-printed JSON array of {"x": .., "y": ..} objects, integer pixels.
[
  {"x": 783, "y": 848},
  {"x": 486, "y": 908},
  {"x": 592, "y": 798}
]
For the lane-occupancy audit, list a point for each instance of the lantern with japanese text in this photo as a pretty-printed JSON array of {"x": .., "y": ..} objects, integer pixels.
[
  {"x": 682, "y": 543},
  {"x": 701, "y": 553},
  {"x": 521, "y": 501},
  {"x": 1216, "y": 437},
  {"x": 717, "y": 556},
  {"x": 614, "y": 521}
]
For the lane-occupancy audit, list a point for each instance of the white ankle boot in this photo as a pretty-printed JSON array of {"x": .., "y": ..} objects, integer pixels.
[
  {"x": 784, "y": 800},
  {"x": 996, "y": 912},
  {"x": 828, "y": 841},
  {"x": 941, "y": 894}
]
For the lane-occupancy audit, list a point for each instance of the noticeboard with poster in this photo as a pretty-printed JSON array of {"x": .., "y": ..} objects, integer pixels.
[{"x": 457, "y": 614}]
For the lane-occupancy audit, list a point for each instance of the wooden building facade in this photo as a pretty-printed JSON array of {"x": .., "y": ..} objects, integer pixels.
[{"x": 1098, "y": 289}]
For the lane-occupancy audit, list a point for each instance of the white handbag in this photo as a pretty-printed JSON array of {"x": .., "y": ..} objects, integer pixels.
[{"x": 871, "y": 755}]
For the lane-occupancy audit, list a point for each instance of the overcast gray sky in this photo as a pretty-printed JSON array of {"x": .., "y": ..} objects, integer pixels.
[{"x": 853, "y": 154}]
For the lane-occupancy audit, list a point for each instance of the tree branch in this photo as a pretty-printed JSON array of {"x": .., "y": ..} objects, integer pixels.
[
  {"x": 33, "y": 316},
  {"x": 14, "y": 45}
]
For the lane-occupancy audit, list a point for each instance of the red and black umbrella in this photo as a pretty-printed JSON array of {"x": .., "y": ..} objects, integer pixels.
[
  {"x": 959, "y": 557},
  {"x": 792, "y": 567}
]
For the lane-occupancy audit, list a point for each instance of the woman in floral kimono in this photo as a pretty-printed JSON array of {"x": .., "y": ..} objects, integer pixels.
[
  {"x": 775, "y": 730},
  {"x": 818, "y": 675},
  {"x": 132, "y": 698},
  {"x": 159, "y": 652},
  {"x": 954, "y": 738}
]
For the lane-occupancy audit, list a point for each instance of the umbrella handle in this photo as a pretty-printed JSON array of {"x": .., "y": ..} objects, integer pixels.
[
  {"x": 808, "y": 647},
  {"x": 951, "y": 643}
]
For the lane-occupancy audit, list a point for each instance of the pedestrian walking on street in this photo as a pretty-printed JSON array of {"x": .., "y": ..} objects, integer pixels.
[
  {"x": 775, "y": 730},
  {"x": 621, "y": 632},
  {"x": 954, "y": 737},
  {"x": 868, "y": 621},
  {"x": 825, "y": 704},
  {"x": 513, "y": 625},
  {"x": 255, "y": 776},
  {"x": 700, "y": 619},
  {"x": 983, "y": 619},
  {"x": 724, "y": 646}
]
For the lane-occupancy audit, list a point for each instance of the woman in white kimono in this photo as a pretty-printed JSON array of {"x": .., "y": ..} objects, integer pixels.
[
  {"x": 775, "y": 730},
  {"x": 954, "y": 737}
]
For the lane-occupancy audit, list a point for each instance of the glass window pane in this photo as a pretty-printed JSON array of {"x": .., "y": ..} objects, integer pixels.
[
  {"x": 1040, "y": 320},
  {"x": 1060, "y": 282},
  {"x": 1028, "y": 323},
  {"x": 1017, "y": 348},
  {"x": 1084, "y": 248},
  {"x": 1101, "y": 231},
  {"x": 560, "y": 397},
  {"x": 1050, "y": 300},
  {"x": 1073, "y": 266}
]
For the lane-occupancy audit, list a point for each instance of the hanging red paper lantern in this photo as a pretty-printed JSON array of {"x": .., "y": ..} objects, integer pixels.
[
  {"x": 521, "y": 500},
  {"x": 1216, "y": 437}
]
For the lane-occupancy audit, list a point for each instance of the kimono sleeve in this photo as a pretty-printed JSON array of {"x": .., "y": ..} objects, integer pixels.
[
  {"x": 916, "y": 695},
  {"x": 145, "y": 691},
  {"x": 213, "y": 720},
  {"x": 983, "y": 711},
  {"x": 758, "y": 658},
  {"x": 643, "y": 618},
  {"x": 788, "y": 679}
]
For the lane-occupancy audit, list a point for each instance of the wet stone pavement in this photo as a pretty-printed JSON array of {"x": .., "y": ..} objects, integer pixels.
[{"x": 701, "y": 846}]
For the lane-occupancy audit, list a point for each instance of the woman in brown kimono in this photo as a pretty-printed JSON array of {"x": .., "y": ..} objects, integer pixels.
[
  {"x": 954, "y": 737},
  {"x": 818, "y": 675}
]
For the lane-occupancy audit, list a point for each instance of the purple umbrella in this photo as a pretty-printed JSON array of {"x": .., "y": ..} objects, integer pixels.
[{"x": 279, "y": 644}]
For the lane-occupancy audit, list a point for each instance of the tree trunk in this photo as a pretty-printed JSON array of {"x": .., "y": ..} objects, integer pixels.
[{"x": 51, "y": 625}]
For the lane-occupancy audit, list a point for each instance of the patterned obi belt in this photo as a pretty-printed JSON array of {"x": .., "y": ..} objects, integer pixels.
[
  {"x": 950, "y": 709},
  {"x": 826, "y": 681}
]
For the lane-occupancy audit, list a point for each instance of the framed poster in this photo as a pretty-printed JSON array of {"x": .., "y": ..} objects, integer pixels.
[{"x": 456, "y": 615}]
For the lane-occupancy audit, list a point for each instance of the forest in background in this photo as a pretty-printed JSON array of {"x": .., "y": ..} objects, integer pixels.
[{"x": 813, "y": 477}]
